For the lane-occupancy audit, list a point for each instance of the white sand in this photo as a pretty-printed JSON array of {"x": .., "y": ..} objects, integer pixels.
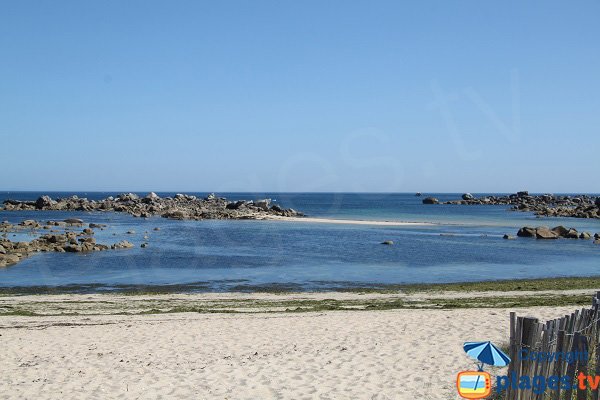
[
  {"x": 400, "y": 354},
  {"x": 347, "y": 221}
]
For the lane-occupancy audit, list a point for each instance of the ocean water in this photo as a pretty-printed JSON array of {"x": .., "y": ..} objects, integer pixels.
[{"x": 465, "y": 244}]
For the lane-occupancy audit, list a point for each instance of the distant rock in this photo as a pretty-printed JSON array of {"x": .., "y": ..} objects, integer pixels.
[
  {"x": 388, "y": 242},
  {"x": 467, "y": 196},
  {"x": 585, "y": 235},
  {"x": 123, "y": 244},
  {"x": 430, "y": 200},
  {"x": 545, "y": 233},
  {"x": 44, "y": 201},
  {"x": 73, "y": 221},
  {"x": 508, "y": 237},
  {"x": 263, "y": 204},
  {"x": 523, "y": 193},
  {"x": 597, "y": 202},
  {"x": 560, "y": 231},
  {"x": 128, "y": 197},
  {"x": 418, "y": 194},
  {"x": 526, "y": 231}
]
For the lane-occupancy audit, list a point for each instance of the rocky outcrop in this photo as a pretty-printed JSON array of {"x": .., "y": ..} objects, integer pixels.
[
  {"x": 181, "y": 206},
  {"x": 430, "y": 200},
  {"x": 546, "y": 205},
  {"x": 543, "y": 232},
  {"x": 61, "y": 242}
]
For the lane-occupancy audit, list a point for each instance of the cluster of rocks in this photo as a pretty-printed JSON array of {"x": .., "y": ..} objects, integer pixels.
[
  {"x": 543, "y": 232},
  {"x": 180, "y": 206},
  {"x": 547, "y": 205},
  {"x": 71, "y": 242}
]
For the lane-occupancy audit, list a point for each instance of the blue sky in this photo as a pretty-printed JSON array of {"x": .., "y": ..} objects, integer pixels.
[{"x": 300, "y": 96}]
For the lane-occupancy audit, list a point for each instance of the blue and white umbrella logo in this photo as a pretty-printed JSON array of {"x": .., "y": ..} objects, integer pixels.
[{"x": 486, "y": 353}]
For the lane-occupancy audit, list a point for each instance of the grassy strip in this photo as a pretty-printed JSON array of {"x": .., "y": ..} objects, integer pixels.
[
  {"x": 509, "y": 285},
  {"x": 296, "y": 305}
]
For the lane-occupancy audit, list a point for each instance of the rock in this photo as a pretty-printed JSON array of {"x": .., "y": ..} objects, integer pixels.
[
  {"x": 211, "y": 196},
  {"x": 508, "y": 237},
  {"x": 236, "y": 205},
  {"x": 157, "y": 229},
  {"x": 596, "y": 235},
  {"x": 132, "y": 232},
  {"x": 467, "y": 196},
  {"x": 29, "y": 222},
  {"x": 88, "y": 231},
  {"x": 560, "y": 231},
  {"x": 152, "y": 196},
  {"x": 143, "y": 245},
  {"x": 572, "y": 234},
  {"x": 418, "y": 194},
  {"x": 44, "y": 202},
  {"x": 585, "y": 235},
  {"x": 123, "y": 244},
  {"x": 128, "y": 197},
  {"x": 2, "y": 249},
  {"x": 176, "y": 214},
  {"x": 276, "y": 208},
  {"x": 100, "y": 226},
  {"x": 523, "y": 193},
  {"x": 73, "y": 221},
  {"x": 11, "y": 259},
  {"x": 72, "y": 248},
  {"x": 526, "y": 231},
  {"x": 263, "y": 204},
  {"x": 544, "y": 233},
  {"x": 597, "y": 202},
  {"x": 430, "y": 200},
  {"x": 388, "y": 242}
]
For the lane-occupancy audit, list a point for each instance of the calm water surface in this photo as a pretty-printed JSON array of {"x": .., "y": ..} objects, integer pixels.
[{"x": 465, "y": 245}]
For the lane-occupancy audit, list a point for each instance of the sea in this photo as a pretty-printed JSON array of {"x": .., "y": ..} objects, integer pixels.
[{"x": 463, "y": 244}]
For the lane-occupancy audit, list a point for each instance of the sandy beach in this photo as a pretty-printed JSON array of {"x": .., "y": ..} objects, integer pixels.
[{"x": 395, "y": 354}]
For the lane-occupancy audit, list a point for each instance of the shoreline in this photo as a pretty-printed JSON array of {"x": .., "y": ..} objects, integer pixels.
[{"x": 488, "y": 295}]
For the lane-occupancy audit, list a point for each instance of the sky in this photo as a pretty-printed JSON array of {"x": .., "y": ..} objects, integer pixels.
[{"x": 308, "y": 96}]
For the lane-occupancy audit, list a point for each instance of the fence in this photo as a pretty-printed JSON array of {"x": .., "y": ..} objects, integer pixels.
[{"x": 578, "y": 332}]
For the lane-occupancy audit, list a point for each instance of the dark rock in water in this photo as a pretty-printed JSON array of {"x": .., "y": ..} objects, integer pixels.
[
  {"x": 418, "y": 194},
  {"x": 144, "y": 245},
  {"x": 585, "y": 235},
  {"x": 236, "y": 205},
  {"x": 508, "y": 237},
  {"x": 388, "y": 242},
  {"x": 467, "y": 196},
  {"x": 73, "y": 221},
  {"x": 157, "y": 229},
  {"x": 523, "y": 193},
  {"x": 44, "y": 201},
  {"x": 572, "y": 234},
  {"x": 544, "y": 233},
  {"x": 276, "y": 208},
  {"x": 100, "y": 226},
  {"x": 430, "y": 200},
  {"x": 560, "y": 231},
  {"x": 597, "y": 202},
  {"x": 72, "y": 248},
  {"x": 526, "y": 231},
  {"x": 123, "y": 244},
  {"x": 88, "y": 231}
]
